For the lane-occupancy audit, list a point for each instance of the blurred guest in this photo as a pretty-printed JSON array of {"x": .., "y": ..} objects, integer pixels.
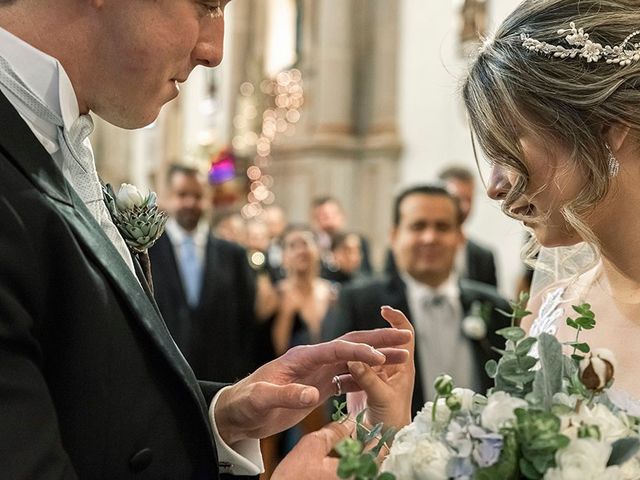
[
  {"x": 328, "y": 218},
  {"x": 203, "y": 285},
  {"x": 230, "y": 226},
  {"x": 454, "y": 319},
  {"x": 473, "y": 260},
  {"x": 276, "y": 220},
  {"x": 346, "y": 258},
  {"x": 305, "y": 298}
]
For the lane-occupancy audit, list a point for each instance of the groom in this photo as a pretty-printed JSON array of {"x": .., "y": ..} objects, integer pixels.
[{"x": 91, "y": 384}]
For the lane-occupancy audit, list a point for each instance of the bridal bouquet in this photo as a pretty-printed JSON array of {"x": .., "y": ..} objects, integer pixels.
[{"x": 548, "y": 417}]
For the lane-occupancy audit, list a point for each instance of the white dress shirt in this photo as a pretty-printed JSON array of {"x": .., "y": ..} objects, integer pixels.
[
  {"x": 177, "y": 235},
  {"x": 442, "y": 346},
  {"x": 46, "y": 77}
]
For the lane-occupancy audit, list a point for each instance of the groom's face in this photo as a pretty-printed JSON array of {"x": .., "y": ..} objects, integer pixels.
[{"x": 143, "y": 50}]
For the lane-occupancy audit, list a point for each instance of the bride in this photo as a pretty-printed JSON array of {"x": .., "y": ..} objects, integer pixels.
[{"x": 554, "y": 103}]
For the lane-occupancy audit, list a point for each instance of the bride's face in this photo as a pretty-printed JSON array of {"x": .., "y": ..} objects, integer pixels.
[{"x": 553, "y": 182}]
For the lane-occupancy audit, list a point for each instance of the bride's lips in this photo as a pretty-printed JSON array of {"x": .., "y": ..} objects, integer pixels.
[{"x": 527, "y": 210}]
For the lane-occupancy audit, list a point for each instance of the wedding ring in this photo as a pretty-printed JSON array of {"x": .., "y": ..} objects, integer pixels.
[{"x": 336, "y": 381}]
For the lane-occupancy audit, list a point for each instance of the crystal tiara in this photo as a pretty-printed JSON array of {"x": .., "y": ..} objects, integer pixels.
[{"x": 582, "y": 47}]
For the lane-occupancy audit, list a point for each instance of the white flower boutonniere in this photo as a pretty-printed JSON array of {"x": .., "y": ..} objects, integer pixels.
[
  {"x": 474, "y": 325},
  {"x": 137, "y": 217}
]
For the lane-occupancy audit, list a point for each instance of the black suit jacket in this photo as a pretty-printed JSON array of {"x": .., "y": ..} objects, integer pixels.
[
  {"x": 359, "y": 309},
  {"x": 215, "y": 336},
  {"x": 481, "y": 265},
  {"x": 91, "y": 384}
]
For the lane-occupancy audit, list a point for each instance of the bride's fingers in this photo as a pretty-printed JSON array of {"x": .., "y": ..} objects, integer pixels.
[
  {"x": 396, "y": 318},
  {"x": 368, "y": 380}
]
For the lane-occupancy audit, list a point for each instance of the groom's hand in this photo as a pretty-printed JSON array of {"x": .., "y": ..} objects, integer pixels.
[
  {"x": 281, "y": 393},
  {"x": 310, "y": 457}
]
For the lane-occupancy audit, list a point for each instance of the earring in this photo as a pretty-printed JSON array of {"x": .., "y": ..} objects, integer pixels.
[{"x": 612, "y": 162}]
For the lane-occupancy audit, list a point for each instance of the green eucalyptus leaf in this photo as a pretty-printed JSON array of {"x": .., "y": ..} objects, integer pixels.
[
  {"x": 367, "y": 467},
  {"x": 373, "y": 433},
  {"x": 583, "y": 347},
  {"x": 525, "y": 345},
  {"x": 572, "y": 323},
  {"x": 385, "y": 439},
  {"x": 528, "y": 470},
  {"x": 349, "y": 447},
  {"x": 386, "y": 476},
  {"x": 491, "y": 367},
  {"x": 512, "y": 333},
  {"x": 527, "y": 362}
]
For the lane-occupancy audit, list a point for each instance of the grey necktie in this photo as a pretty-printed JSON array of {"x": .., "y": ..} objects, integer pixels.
[
  {"x": 448, "y": 350},
  {"x": 78, "y": 159}
]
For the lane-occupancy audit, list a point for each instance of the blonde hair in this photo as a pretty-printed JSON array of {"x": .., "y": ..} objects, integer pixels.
[{"x": 511, "y": 90}]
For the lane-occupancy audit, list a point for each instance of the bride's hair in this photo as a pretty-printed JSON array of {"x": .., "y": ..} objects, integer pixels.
[{"x": 511, "y": 90}]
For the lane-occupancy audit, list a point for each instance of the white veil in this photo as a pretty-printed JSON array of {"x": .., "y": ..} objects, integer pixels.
[{"x": 562, "y": 265}]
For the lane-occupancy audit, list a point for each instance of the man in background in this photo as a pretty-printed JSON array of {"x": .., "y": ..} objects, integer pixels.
[
  {"x": 328, "y": 218},
  {"x": 204, "y": 286},
  {"x": 473, "y": 260},
  {"x": 454, "y": 319}
]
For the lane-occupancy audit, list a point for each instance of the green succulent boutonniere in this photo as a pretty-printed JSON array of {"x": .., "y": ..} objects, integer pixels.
[
  {"x": 138, "y": 220},
  {"x": 137, "y": 217}
]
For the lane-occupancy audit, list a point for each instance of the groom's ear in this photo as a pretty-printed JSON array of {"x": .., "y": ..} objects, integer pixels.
[{"x": 615, "y": 135}]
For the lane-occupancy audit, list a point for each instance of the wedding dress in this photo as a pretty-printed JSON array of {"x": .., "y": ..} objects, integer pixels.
[{"x": 555, "y": 309}]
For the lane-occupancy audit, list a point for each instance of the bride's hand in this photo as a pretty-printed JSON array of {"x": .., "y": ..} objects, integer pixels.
[{"x": 386, "y": 390}]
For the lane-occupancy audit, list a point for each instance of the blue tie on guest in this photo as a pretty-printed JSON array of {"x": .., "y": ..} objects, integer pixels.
[{"x": 191, "y": 270}]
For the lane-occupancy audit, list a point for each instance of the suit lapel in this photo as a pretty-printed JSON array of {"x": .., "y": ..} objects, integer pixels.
[{"x": 28, "y": 155}]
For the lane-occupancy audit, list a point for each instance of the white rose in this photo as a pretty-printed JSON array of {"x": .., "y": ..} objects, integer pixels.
[
  {"x": 499, "y": 410},
  {"x": 430, "y": 459},
  {"x": 612, "y": 427},
  {"x": 423, "y": 419},
  {"x": 630, "y": 470},
  {"x": 128, "y": 197},
  {"x": 400, "y": 457},
  {"x": 467, "y": 398},
  {"x": 583, "y": 459}
]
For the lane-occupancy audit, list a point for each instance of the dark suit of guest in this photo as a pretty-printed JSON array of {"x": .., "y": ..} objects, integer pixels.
[
  {"x": 359, "y": 308},
  {"x": 480, "y": 264},
  {"x": 91, "y": 384},
  {"x": 216, "y": 335}
]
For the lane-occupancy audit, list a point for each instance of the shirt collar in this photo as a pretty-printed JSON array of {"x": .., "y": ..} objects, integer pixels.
[
  {"x": 46, "y": 77},
  {"x": 415, "y": 289},
  {"x": 179, "y": 234}
]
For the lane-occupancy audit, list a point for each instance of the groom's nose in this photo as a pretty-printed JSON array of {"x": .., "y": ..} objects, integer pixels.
[{"x": 498, "y": 185}]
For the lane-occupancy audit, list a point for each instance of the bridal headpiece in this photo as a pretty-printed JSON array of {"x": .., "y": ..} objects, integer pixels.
[{"x": 580, "y": 46}]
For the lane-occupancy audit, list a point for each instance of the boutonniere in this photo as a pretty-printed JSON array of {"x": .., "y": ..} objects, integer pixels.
[
  {"x": 474, "y": 325},
  {"x": 138, "y": 220}
]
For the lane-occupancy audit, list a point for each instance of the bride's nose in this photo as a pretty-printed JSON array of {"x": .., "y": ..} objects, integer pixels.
[{"x": 498, "y": 185}]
